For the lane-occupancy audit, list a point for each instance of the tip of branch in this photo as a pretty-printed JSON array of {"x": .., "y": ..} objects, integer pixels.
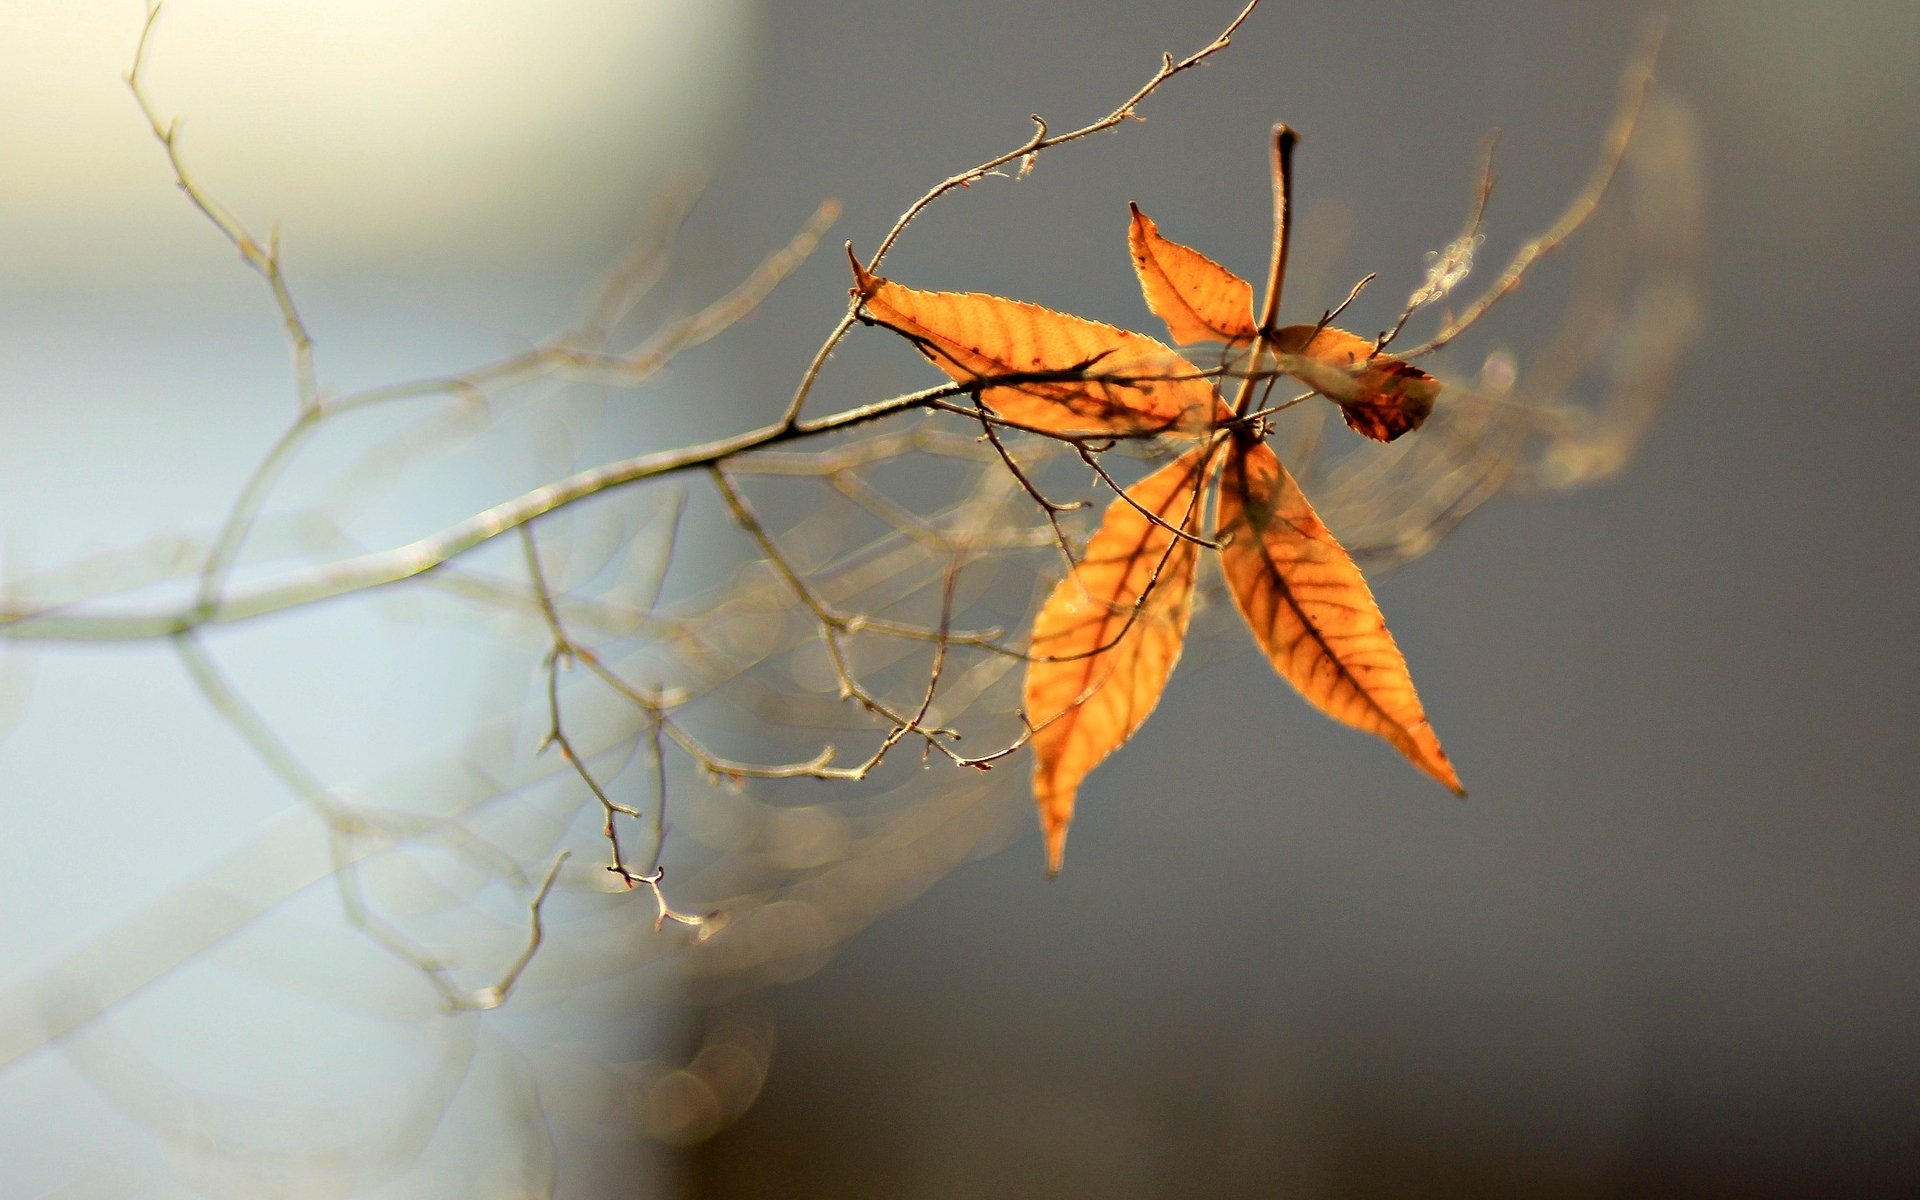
[{"x": 863, "y": 279}]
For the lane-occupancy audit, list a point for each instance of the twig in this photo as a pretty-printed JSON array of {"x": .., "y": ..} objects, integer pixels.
[
  {"x": 833, "y": 626},
  {"x": 264, "y": 260},
  {"x": 562, "y": 354},
  {"x": 645, "y": 261},
  {"x": 416, "y": 558},
  {"x": 1327, "y": 317},
  {"x": 494, "y": 995},
  {"x": 1093, "y": 462},
  {"x": 1048, "y": 508}
]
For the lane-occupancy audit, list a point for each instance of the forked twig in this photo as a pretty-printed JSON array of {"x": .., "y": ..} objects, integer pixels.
[{"x": 565, "y": 650}]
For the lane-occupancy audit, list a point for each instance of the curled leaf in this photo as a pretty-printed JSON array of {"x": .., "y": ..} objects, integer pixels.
[
  {"x": 1109, "y": 635},
  {"x": 1200, "y": 300},
  {"x": 1385, "y": 398},
  {"x": 1312, "y": 612},
  {"x": 1059, "y": 374}
]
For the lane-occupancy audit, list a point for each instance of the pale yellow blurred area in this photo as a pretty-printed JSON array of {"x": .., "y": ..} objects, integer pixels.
[{"x": 372, "y": 132}]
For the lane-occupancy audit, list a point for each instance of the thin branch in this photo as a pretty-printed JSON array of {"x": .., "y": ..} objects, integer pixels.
[
  {"x": 561, "y": 653},
  {"x": 559, "y": 355},
  {"x": 1093, "y": 462},
  {"x": 1048, "y": 508},
  {"x": 646, "y": 260},
  {"x": 383, "y": 568},
  {"x": 833, "y": 627},
  {"x": 1041, "y": 141},
  {"x": 401, "y": 563},
  {"x": 1327, "y": 318},
  {"x": 703, "y": 326},
  {"x": 496, "y": 994},
  {"x": 246, "y": 508},
  {"x": 652, "y": 881},
  {"x": 264, "y": 260}
]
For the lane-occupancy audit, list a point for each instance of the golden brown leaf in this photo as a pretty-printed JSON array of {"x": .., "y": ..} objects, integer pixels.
[
  {"x": 1141, "y": 386},
  {"x": 1109, "y": 635},
  {"x": 1311, "y": 611},
  {"x": 1200, "y": 300},
  {"x": 1383, "y": 400}
]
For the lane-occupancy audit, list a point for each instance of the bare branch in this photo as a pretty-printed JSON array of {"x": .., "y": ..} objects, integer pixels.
[{"x": 265, "y": 260}]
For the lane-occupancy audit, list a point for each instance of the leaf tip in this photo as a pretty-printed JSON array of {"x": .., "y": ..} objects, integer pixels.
[
  {"x": 1139, "y": 227},
  {"x": 1056, "y": 831},
  {"x": 1056, "y": 814},
  {"x": 1429, "y": 757}
]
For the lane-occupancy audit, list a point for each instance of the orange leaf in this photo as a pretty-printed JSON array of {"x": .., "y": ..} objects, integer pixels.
[
  {"x": 1109, "y": 635},
  {"x": 1200, "y": 300},
  {"x": 1385, "y": 399},
  {"x": 1311, "y": 611},
  {"x": 1141, "y": 386}
]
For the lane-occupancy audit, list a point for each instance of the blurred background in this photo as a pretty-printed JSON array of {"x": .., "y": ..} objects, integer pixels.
[
  {"x": 1671, "y": 945},
  {"x": 1668, "y": 947}
]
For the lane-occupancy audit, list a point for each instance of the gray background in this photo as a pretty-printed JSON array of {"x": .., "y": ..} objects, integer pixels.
[{"x": 1669, "y": 945}]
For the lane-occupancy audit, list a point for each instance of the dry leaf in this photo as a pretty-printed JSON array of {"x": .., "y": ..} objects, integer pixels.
[
  {"x": 1383, "y": 399},
  {"x": 1312, "y": 612},
  {"x": 1200, "y": 300},
  {"x": 1109, "y": 634},
  {"x": 1141, "y": 386}
]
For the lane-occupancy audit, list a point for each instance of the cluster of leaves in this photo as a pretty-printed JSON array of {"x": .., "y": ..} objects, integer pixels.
[{"x": 1106, "y": 641}]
